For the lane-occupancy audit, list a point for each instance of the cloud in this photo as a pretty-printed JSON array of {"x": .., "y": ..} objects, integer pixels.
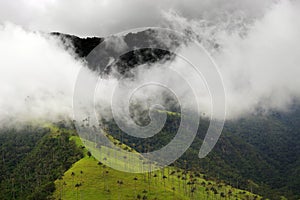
[
  {"x": 258, "y": 60},
  {"x": 261, "y": 69},
  {"x": 105, "y": 17},
  {"x": 37, "y": 76}
]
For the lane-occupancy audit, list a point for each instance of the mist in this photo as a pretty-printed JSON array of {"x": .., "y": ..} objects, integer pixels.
[
  {"x": 261, "y": 68},
  {"x": 258, "y": 58},
  {"x": 37, "y": 75}
]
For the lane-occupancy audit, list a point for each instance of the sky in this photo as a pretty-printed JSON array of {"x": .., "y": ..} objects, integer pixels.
[{"x": 105, "y": 17}]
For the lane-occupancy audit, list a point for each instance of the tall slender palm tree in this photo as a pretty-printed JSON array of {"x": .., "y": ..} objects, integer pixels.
[
  {"x": 73, "y": 177},
  {"x": 164, "y": 179},
  {"x": 77, "y": 187},
  {"x": 178, "y": 177},
  {"x": 135, "y": 180},
  {"x": 173, "y": 189},
  {"x": 155, "y": 178},
  {"x": 172, "y": 177},
  {"x": 125, "y": 161},
  {"x": 120, "y": 183}
]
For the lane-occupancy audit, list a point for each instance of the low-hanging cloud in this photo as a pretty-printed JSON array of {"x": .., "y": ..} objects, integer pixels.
[
  {"x": 261, "y": 69},
  {"x": 259, "y": 62},
  {"x": 37, "y": 76}
]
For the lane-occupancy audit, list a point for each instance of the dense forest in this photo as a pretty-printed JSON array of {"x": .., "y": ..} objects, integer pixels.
[
  {"x": 55, "y": 165},
  {"x": 258, "y": 153},
  {"x": 33, "y": 157}
]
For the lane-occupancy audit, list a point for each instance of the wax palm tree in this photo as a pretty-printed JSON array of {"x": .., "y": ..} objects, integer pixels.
[
  {"x": 193, "y": 190},
  {"x": 120, "y": 183},
  {"x": 81, "y": 175},
  {"x": 135, "y": 180},
  {"x": 164, "y": 179},
  {"x": 73, "y": 177},
  {"x": 178, "y": 177},
  {"x": 105, "y": 173},
  {"x": 77, "y": 187},
  {"x": 125, "y": 161},
  {"x": 155, "y": 178},
  {"x": 172, "y": 177},
  {"x": 173, "y": 189}
]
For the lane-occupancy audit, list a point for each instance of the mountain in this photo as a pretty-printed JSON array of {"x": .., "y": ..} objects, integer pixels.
[
  {"x": 33, "y": 157},
  {"x": 257, "y": 152},
  {"x": 260, "y": 154},
  {"x": 125, "y": 62},
  {"x": 49, "y": 161},
  {"x": 168, "y": 183}
]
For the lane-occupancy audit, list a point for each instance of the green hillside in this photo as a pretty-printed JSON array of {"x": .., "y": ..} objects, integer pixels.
[
  {"x": 33, "y": 157},
  {"x": 258, "y": 153},
  {"x": 90, "y": 179}
]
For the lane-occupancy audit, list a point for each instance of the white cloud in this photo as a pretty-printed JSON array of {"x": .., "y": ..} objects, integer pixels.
[
  {"x": 260, "y": 67},
  {"x": 37, "y": 76},
  {"x": 103, "y": 17}
]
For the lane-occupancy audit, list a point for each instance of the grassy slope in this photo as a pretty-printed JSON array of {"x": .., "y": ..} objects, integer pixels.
[
  {"x": 100, "y": 182},
  {"x": 35, "y": 156}
]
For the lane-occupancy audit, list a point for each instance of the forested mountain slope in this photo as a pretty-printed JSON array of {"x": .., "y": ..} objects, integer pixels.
[
  {"x": 33, "y": 157},
  {"x": 259, "y": 152}
]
